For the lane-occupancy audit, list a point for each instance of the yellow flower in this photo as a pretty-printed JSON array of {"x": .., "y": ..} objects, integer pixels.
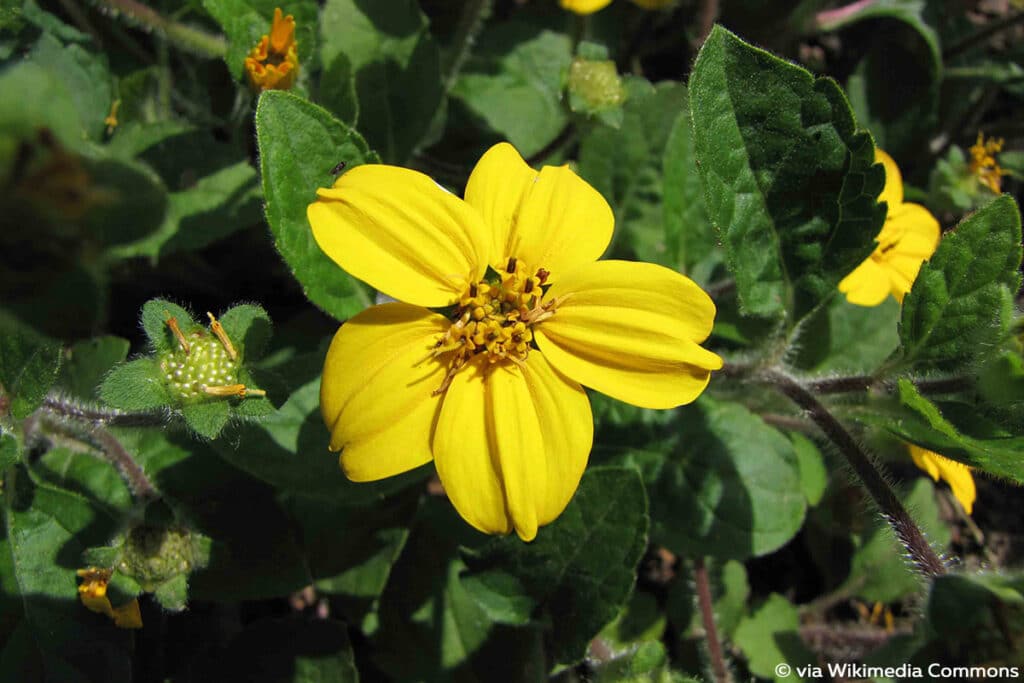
[
  {"x": 489, "y": 387},
  {"x": 591, "y": 6},
  {"x": 93, "y": 594},
  {"x": 274, "y": 63},
  {"x": 956, "y": 474},
  {"x": 908, "y": 238},
  {"x": 984, "y": 164}
]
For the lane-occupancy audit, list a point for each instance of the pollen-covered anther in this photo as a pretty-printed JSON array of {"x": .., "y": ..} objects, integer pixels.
[
  {"x": 218, "y": 331},
  {"x": 494, "y": 318},
  {"x": 172, "y": 323}
]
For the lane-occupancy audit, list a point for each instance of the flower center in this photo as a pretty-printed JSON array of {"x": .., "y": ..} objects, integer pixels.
[{"x": 495, "y": 317}]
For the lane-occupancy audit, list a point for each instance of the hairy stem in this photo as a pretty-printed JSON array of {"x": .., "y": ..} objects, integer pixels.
[
  {"x": 187, "y": 37},
  {"x": 67, "y": 408},
  {"x": 907, "y": 531},
  {"x": 120, "y": 458},
  {"x": 857, "y": 383},
  {"x": 707, "y": 614}
]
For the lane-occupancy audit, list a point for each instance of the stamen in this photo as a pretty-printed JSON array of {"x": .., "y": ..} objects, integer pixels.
[
  {"x": 511, "y": 267},
  {"x": 172, "y": 323},
  {"x": 218, "y": 330},
  {"x": 238, "y": 390}
]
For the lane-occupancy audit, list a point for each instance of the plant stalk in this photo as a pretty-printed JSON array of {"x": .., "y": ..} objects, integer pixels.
[
  {"x": 907, "y": 531},
  {"x": 707, "y": 614}
]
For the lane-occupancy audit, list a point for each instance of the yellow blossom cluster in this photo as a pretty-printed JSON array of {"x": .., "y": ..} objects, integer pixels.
[
  {"x": 984, "y": 165},
  {"x": 273, "y": 64}
]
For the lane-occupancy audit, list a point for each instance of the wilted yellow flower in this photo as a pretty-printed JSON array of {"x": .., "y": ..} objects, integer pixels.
[
  {"x": 274, "y": 63},
  {"x": 591, "y": 6},
  {"x": 956, "y": 474},
  {"x": 487, "y": 385},
  {"x": 908, "y": 238},
  {"x": 984, "y": 164},
  {"x": 93, "y": 594}
]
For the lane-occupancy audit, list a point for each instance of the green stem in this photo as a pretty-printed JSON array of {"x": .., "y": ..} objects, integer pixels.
[
  {"x": 471, "y": 21},
  {"x": 902, "y": 523},
  {"x": 859, "y": 383},
  {"x": 189, "y": 38},
  {"x": 67, "y": 408}
]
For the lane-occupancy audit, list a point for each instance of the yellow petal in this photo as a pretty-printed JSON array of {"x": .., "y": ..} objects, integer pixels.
[
  {"x": 563, "y": 412},
  {"x": 892, "y": 192},
  {"x": 632, "y": 331},
  {"x": 563, "y": 223},
  {"x": 921, "y": 231},
  {"x": 282, "y": 32},
  {"x": 127, "y": 615},
  {"x": 584, "y": 6},
  {"x": 375, "y": 394},
  {"x": 500, "y": 181},
  {"x": 867, "y": 285},
  {"x": 512, "y": 443},
  {"x": 466, "y": 460},
  {"x": 398, "y": 231},
  {"x": 956, "y": 474}
]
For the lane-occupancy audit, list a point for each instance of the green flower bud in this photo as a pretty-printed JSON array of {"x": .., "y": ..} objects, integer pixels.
[{"x": 596, "y": 83}]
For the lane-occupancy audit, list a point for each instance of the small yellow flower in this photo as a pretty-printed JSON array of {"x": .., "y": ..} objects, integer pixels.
[
  {"x": 488, "y": 387},
  {"x": 93, "y": 594},
  {"x": 274, "y": 63},
  {"x": 908, "y": 238},
  {"x": 591, "y": 6},
  {"x": 956, "y": 474},
  {"x": 984, "y": 165}
]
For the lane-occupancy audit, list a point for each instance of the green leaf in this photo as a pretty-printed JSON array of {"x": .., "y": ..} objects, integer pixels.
[
  {"x": 961, "y": 304},
  {"x": 135, "y": 385},
  {"x": 690, "y": 239},
  {"x": 289, "y": 449},
  {"x": 43, "y": 101},
  {"x": 430, "y": 627},
  {"x": 646, "y": 171},
  {"x": 396, "y": 67},
  {"x": 813, "y": 475},
  {"x": 730, "y": 489},
  {"x": 86, "y": 363},
  {"x": 28, "y": 366},
  {"x": 971, "y": 439},
  {"x": 216, "y": 206},
  {"x": 299, "y": 144},
  {"x": 848, "y": 339},
  {"x": 249, "y": 328},
  {"x": 770, "y": 636},
  {"x": 48, "y": 529},
  {"x": 207, "y": 419},
  {"x": 879, "y": 571},
  {"x": 254, "y": 553},
  {"x": 87, "y": 475},
  {"x": 173, "y": 593},
  {"x": 979, "y": 617},
  {"x": 350, "y": 550},
  {"x": 155, "y": 314},
  {"x": 580, "y": 569},
  {"x": 10, "y": 452},
  {"x": 788, "y": 182},
  {"x": 289, "y": 650},
  {"x": 513, "y": 81},
  {"x": 86, "y": 76}
]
